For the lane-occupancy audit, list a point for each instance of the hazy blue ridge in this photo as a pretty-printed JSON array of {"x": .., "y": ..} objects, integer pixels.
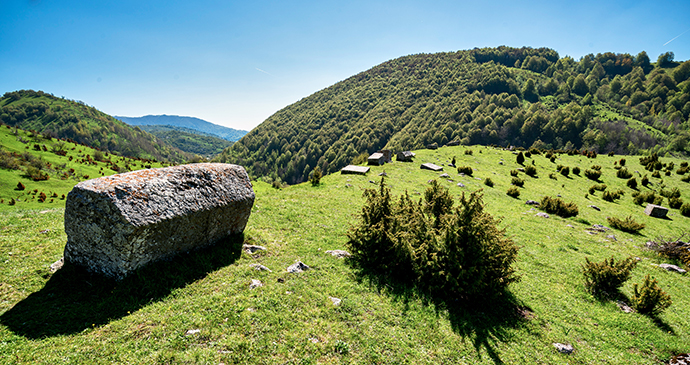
[{"x": 200, "y": 125}]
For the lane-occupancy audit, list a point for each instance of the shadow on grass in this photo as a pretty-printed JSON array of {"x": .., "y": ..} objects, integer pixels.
[
  {"x": 482, "y": 321},
  {"x": 73, "y": 299}
]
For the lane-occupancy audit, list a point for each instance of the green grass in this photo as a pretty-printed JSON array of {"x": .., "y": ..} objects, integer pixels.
[
  {"x": 70, "y": 317},
  {"x": 27, "y": 199}
]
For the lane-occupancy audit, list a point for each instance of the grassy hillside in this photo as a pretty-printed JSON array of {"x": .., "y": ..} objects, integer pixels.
[
  {"x": 503, "y": 96},
  {"x": 189, "y": 140},
  {"x": 153, "y": 317},
  {"x": 52, "y": 167},
  {"x": 196, "y": 124},
  {"x": 76, "y": 121}
]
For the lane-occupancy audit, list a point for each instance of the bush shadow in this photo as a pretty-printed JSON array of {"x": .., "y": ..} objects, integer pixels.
[
  {"x": 483, "y": 321},
  {"x": 74, "y": 299}
]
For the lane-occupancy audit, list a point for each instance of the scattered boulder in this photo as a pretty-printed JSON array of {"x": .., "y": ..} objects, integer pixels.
[
  {"x": 339, "y": 253},
  {"x": 260, "y": 267},
  {"x": 670, "y": 267},
  {"x": 563, "y": 348},
  {"x": 57, "y": 265},
  {"x": 532, "y": 202},
  {"x": 599, "y": 228},
  {"x": 336, "y": 301},
  {"x": 612, "y": 237},
  {"x": 655, "y": 211},
  {"x": 595, "y": 208},
  {"x": 192, "y": 332},
  {"x": 250, "y": 249},
  {"x": 297, "y": 267},
  {"x": 431, "y": 166},
  {"x": 117, "y": 224},
  {"x": 542, "y": 214},
  {"x": 624, "y": 307},
  {"x": 255, "y": 284},
  {"x": 383, "y": 174},
  {"x": 682, "y": 359},
  {"x": 445, "y": 176},
  {"x": 461, "y": 185}
]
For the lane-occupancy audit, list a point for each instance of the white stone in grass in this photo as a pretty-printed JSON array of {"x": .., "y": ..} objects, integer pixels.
[
  {"x": 564, "y": 348},
  {"x": 57, "y": 265},
  {"x": 542, "y": 214},
  {"x": 260, "y": 267},
  {"x": 250, "y": 249},
  {"x": 339, "y": 253},
  {"x": 336, "y": 301},
  {"x": 624, "y": 307},
  {"x": 192, "y": 332},
  {"x": 255, "y": 284},
  {"x": 297, "y": 267},
  {"x": 670, "y": 267}
]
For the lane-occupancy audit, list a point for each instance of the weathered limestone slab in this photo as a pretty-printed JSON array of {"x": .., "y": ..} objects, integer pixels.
[
  {"x": 119, "y": 223},
  {"x": 655, "y": 211},
  {"x": 354, "y": 169},
  {"x": 431, "y": 166}
]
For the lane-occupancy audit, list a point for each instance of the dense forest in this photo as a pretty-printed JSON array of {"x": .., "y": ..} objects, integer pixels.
[
  {"x": 189, "y": 140},
  {"x": 78, "y": 122},
  {"x": 523, "y": 97}
]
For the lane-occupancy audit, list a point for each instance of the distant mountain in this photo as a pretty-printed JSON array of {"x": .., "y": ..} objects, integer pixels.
[
  {"x": 189, "y": 140},
  {"x": 187, "y": 122}
]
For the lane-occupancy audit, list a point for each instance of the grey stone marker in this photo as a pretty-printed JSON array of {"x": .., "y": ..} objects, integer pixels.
[
  {"x": 117, "y": 224},
  {"x": 655, "y": 211}
]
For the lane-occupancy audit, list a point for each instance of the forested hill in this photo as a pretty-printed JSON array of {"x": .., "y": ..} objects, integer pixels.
[
  {"x": 505, "y": 96},
  {"x": 74, "y": 120}
]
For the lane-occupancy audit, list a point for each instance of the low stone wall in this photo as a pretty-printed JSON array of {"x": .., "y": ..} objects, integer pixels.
[{"x": 119, "y": 223}]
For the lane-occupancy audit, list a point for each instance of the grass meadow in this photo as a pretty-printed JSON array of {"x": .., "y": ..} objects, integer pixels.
[{"x": 152, "y": 317}]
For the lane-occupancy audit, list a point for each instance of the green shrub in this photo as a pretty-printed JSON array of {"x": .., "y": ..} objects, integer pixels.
[
  {"x": 645, "y": 180},
  {"x": 611, "y": 196},
  {"x": 488, "y": 182},
  {"x": 686, "y": 179},
  {"x": 443, "y": 251},
  {"x": 553, "y": 176},
  {"x": 623, "y": 174},
  {"x": 35, "y": 174},
  {"x": 682, "y": 171},
  {"x": 596, "y": 167},
  {"x": 685, "y": 209},
  {"x": 360, "y": 159},
  {"x": 656, "y": 174},
  {"x": 315, "y": 177},
  {"x": 513, "y": 192},
  {"x": 649, "y": 299},
  {"x": 531, "y": 170},
  {"x": 648, "y": 197},
  {"x": 517, "y": 181},
  {"x": 558, "y": 207},
  {"x": 605, "y": 278},
  {"x": 520, "y": 158},
  {"x": 622, "y": 162},
  {"x": 576, "y": 170},
  {"x": 675, "y": 203},
  {"x": 465, "y": 170},
  {"x": 593, "y": 174},
  {"x": 528, "y": 154},
  {"x": 468, "y": 152},
  {"x": 673, "y": 193},
  {"x": 632, "y": 183},
  {"x": 513, "y": 172},
  {"x": 553, "y": 159},
  {"x": 627, "y": 225},
  {"x": 672, "y": 249},
  {"x": 565, "y": 171}
]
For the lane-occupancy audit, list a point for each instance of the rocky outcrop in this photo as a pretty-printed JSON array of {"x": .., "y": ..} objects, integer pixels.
[{"x": 119, "y": 223}]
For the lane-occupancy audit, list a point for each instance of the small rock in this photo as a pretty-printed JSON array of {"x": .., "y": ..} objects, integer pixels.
[
  {"x": 250, "y": 249},
  {"x": 682, "y": 359},
  {"x": 445, "y": 176},
  {"x": 313, "y": 340},
  {"x": 383, "y": 174},
  {"x": 348, "y": 185},
  {"x": 570, "y": 225},
  {"x": 297, "y": 267},
  {"x": 624, "y": 307},
  {"x": 57, "y": 265},
  {"x": 336, "y": 301},
  {"x": 372, "y": 181},
  {"x": 192, "y": 332},
  {"x": 339, "y": 253},
  {"x": 559, "y": 195},
  {"x": 563, "y": 348},
  {"x": 542, "y": 214},
  {"x": 44, "y": 231},
  {"x": 600, "y": 228},
  {"x": 461, "y": 185},
  {"x": 500, "y": 162},
  {"x": 255, "y": 284},
  {"x": 253, "y": 310},
  {"x": 670, "y": 267},
  {"x": 521, "y": 169},
  {"x": 260, "y": 267},
  {"x": 532, "y": 202},
  {"x": 595, "y": 208},
  {"x": 611, "y": 237},
  {"x": 281, "y": 280},
  {"x": 477, "y": 178}
]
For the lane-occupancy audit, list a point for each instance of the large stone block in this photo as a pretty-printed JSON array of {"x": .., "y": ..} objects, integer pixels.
[
  {"x": 656, "y": 211},
  {"x": 119, "y": 223}
]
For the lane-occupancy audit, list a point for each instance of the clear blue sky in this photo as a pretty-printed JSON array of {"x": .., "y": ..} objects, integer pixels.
[{"x": 236, "y": 63}]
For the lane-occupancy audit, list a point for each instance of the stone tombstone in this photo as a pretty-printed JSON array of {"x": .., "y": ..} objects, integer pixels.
[
  {"x": 655, "y": 211},
  {"x": 117, "y": 224},
  {"x": 376, "y": 159},
  {"x": 405, "y": 156}
]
